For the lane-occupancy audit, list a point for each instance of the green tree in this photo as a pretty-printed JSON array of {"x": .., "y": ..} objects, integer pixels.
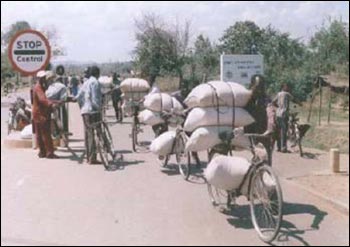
[
  {"x": 330, "y": 47},
  {"x": 206, "y": 57}
]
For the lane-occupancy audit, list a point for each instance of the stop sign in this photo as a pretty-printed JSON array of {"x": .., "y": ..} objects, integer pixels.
[{"x": 29, "y": 52}]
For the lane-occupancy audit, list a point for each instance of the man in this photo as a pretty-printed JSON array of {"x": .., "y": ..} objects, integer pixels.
[
  {"x": 282, "y": 100},
  {"x": 116, "y": 97},
  {"x": 90, "y": 101},
  {"x": 60, "y": 71},
  {"x": 23, "y": 114},
  {"x": 42, "y": 108}
]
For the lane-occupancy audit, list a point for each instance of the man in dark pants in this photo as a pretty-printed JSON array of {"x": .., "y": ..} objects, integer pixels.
[
  {"x": 282, "y": 100},
  {"x": 116, "y": 96}
]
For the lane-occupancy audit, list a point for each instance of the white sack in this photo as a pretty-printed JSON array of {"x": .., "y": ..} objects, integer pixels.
[
  {"x": 163, "y": 144},
  {"x": 27, "y": 132},
  {"x": 200, "y": 117},
  {"x": 205, "y": 138},
  {"x": 162, "y": 102},
  {"x": 204, "y": 96},
  {"x": 150, "y": 118},
  {"x": 134, "y": 96},
  {"x": 134, "y": 85},
  {"x": 227, "y": 173}
]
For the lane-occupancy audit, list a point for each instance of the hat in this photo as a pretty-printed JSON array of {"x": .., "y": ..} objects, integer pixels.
[
  {"x": 49, "y": 74},
  {"x": 41, "y": 74}
]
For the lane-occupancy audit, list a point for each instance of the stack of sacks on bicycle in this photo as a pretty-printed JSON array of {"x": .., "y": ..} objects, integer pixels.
[
  {"x": 133, "y": 90},
  {"x": 155, "y": 104},
  {"x": 217, "y": 109}
]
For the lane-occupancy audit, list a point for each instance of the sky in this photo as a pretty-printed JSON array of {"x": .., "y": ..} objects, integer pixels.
[{"x": 105, "y": 31}]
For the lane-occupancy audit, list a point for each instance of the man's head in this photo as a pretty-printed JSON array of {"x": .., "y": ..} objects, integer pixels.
[
  {"x": 285, "y": 87},
  {"x": 87, "y": 72},
  {"x": 41, "y": 75},
  {"x": 95, "y": 72},
  {"x": 60, "y": 70},
  {"x": 257, "y": 85}
]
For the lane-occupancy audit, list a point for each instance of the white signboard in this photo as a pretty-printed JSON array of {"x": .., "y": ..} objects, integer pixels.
[
  {"x": 241, "y": 68},
  {"x": 29, "y": 52}
]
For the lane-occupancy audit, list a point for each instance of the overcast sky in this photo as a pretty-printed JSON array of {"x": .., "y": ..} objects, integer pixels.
[{"x": 104, "y": 31}]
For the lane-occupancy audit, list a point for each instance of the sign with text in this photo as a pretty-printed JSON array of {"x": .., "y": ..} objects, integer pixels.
[
  {"x": 240, "y": 68},
  {"x": 29, "y": 52}
]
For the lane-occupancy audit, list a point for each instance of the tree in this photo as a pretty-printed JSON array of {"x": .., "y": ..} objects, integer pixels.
[
  {"x": 161, "y": 49},
  {"x": 330, "y": 47},
  {"x": 206, "y": 56},
  {"x": 241, "y": 38}
]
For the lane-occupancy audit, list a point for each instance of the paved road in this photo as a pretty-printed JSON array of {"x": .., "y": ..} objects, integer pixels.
[{"x": 66, "y": 202}]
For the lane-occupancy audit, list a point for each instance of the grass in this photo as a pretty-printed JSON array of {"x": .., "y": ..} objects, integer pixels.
[{"x": 327, "y": 136}]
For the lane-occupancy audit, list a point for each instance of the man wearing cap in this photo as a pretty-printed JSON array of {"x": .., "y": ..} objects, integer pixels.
[{"x": 42, "y": 108}]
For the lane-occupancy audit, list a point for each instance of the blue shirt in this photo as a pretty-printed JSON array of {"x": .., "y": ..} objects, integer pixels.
[{"x": 90, "y": 97}]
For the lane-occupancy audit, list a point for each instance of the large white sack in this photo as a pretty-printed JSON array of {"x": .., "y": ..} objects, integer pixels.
[
  {"x": 27, "y": 132},
  {"x": 134, "y": 85},
  {"x": 163, "y": 144},
  {"x": 205, "y": 96},
  {"x": 200, "y": 117},
  {"x": 150, "y": 118},
  {"x": 57, "y": 91},
  {"x": 205, "y": 138},
  {"x": 106, "y": 83},
  {"x": 162, "y": 102},
  {"x": 227, "y": 173}
]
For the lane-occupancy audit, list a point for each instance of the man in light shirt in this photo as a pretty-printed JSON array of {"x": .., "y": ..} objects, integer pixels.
[{"x": 90, "y": 102}]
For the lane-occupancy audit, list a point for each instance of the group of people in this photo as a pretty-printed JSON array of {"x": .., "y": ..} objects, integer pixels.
[
  {"x": 89, "y": 98},
  {"x": 271, "y": 115}
]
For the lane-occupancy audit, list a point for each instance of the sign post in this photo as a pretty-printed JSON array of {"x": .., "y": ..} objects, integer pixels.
[
  {"x": 240, "y": 68},
  {"x": 29, "y": 52}
]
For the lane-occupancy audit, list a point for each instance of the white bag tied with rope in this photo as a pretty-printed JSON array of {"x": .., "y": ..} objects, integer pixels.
[
  {"x": 163, "y": 144},
  {"x": 134, "y": 85},
  {"x": 205, "y": 138},
  {"x": 162, "y": 102},
  {"x": 150, "y": 118},
  {"x": 227, "y": 173},
  {"x": 222, "y": 116},
  {"x": 218, "y": 93}
]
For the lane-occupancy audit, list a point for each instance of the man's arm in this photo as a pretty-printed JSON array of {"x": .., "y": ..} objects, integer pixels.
[{"x": 43, "y": 100}]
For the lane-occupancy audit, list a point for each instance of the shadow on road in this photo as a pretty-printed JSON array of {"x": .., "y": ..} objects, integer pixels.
[
  {"x": 289, "y": 232},
  {"x": 308, "y": 155}
]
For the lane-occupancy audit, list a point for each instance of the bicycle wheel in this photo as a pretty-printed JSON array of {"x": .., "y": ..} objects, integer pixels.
[
  {"x": 266, "y": 203},
  {"x": 105, "y": 150},
  {"x": 183, "y": 159}
]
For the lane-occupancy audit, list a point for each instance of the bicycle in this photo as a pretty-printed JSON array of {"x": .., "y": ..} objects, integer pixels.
[
  {"x": 296, "y": 131},
  {"x": 263, "y": 192},
  {"x": 183, "y": 158},
  {"x": 104, "y": 144}
]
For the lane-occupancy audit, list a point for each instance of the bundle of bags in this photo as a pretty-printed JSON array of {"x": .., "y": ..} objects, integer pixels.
[
  {"x": 155, "y": 104},
  {"x": 217, "y": 110}
]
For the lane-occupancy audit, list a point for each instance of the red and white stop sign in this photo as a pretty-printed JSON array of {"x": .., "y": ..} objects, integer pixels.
[{"x": 29, "y": 52}]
